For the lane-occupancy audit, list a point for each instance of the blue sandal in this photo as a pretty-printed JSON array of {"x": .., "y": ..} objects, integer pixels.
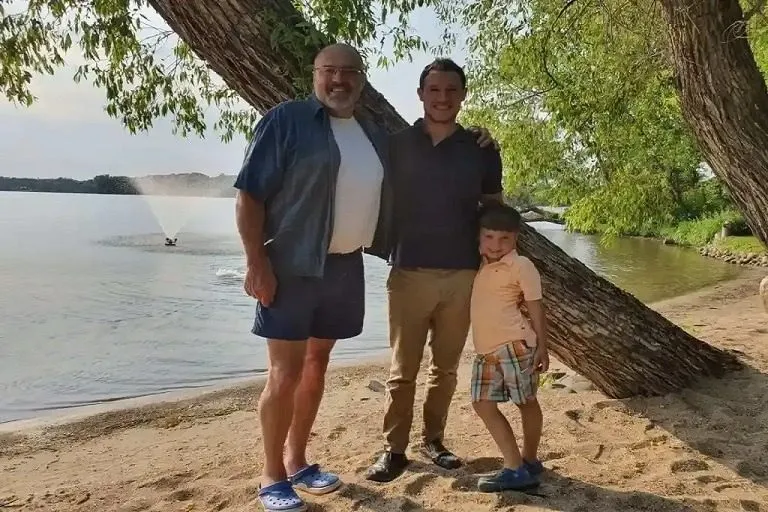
[
  {"x": 280, "y": 497},
  {"x": 310, "y": 479},
  {"x": 508, "y": 480}
]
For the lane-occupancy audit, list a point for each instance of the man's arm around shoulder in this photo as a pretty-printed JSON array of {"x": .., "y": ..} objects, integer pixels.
[{"x": 493, "y": 190}]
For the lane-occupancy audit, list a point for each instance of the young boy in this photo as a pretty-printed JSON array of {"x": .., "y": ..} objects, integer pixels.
[{"x": 511, "y": 350}]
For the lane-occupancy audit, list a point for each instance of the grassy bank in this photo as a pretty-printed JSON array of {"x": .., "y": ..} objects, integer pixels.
[
  {"x": 700, "y": 232},
  {"x": 707, "y": 231},
  {"x": 740, "y": 245},
  {"x": 705, "y": 234}
]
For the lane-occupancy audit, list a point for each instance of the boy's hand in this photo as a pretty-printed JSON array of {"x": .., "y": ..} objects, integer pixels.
[{"x": 541, "y": 359}]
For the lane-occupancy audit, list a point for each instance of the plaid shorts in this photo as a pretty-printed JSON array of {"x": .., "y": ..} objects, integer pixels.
[{"x": 505, "y": 375}]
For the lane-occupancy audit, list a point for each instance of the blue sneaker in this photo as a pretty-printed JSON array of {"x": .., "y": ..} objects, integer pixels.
[
  {"x": 535, "y": 467},
  {"x": 508, "y": 480}
]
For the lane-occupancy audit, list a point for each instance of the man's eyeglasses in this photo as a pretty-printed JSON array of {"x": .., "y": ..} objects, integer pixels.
[{"x": 345, "y": 72}]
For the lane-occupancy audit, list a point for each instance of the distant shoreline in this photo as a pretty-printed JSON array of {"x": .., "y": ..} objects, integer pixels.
[
  {"x": 184, "y": 184},
  {"x": 223, "y": 196}
]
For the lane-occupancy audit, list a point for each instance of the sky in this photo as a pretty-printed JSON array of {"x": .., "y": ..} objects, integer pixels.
[{"x": 67, "y": 133}]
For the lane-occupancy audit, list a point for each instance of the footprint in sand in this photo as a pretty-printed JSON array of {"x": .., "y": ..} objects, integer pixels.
[
  {"x": 749, "y": 505},
  {"x": 464, "y": 483},
  {"x": 574, "y": 414},
  {"x": 366, "y": 499},
  {"x": 709, "y": 479},
  {"x": 168, "y": 482},
  {"x": 651, "y": 441},
  {"x": 223, "y": 504},
  {"x": 709, "y": 447},
  {"x": 416, "y": 487},
  {"x": 246, "y": 474},
  {"x": 336, "y": 432},
  {"x": 751, "y": 469},
  {"x": 139, "y": 505},
  {"x": 183, "y": 494},
  {"x": 616, "y": 405},
  {"x": 723, "y": 487},
  {"x": 71, "y": 496},
  {"x": 484, "y": 464},
  {"x": 218, "y": 502},
  {"x": 10, "y": 501},
  {"x": 688, "y": 466}
]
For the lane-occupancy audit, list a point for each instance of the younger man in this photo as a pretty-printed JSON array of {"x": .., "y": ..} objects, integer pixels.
[{"x": 511, "y": 350}]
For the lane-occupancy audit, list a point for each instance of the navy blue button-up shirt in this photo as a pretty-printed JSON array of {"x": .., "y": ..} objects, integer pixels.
[
  {"x": 438, "y": 188},
  {"x": 292, "y": 164}
]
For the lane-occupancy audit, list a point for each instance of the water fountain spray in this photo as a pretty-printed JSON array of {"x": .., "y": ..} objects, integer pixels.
[{"x": 172, "y": 201}]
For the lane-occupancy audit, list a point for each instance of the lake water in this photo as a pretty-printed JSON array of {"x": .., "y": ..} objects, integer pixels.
[{"x": 94, "y": 308}]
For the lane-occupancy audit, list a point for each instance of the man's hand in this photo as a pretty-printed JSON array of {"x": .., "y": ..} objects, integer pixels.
[
  {"x": 540, "y": 360},
  {"x": 484, "y": 138},
  {"x": 260, "y": 282}
]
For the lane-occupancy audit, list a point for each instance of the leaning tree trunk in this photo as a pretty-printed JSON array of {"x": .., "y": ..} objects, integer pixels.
[
  {"x": 724, "y": 98},
  {"x": 602, "y": 332}
]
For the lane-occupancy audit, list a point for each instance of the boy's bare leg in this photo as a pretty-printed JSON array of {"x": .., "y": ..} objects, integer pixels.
[
  {"x": 501, "y": 431},
  {"x": 533, "y": 421}
]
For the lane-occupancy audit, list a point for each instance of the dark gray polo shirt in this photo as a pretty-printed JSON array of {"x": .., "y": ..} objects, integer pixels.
[{"x": 437, "y": 194}]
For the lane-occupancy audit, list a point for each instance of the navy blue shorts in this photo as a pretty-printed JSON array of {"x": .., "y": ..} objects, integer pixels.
[{"x": 331, "y": 307}]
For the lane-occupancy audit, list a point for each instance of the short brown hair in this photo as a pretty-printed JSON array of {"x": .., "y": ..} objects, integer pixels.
[
  {"x": 500, "y": 217},
  {"x": 443, "y": 65}
]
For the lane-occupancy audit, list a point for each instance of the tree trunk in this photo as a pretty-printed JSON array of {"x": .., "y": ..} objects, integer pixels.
[
  {"x": 602, "y": 332},
  {"x": 724, "y": 99}
]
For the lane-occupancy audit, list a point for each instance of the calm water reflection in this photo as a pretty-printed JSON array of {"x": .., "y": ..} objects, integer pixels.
[{"x": 646, "y": 268}]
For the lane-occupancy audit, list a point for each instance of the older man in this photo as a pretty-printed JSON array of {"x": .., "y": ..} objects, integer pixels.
[{"x": 313, "y": 195}]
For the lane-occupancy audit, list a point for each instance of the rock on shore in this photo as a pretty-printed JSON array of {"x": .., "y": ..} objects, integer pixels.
[{"x": 752, "y": 259}]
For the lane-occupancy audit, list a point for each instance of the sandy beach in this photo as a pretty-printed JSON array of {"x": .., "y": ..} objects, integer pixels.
[{"x": 704, "y": 449}]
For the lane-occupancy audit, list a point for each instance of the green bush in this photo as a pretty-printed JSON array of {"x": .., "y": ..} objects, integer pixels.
[
  {"x": 708, "y": 197},
  {"x": 702, "y": 231}
]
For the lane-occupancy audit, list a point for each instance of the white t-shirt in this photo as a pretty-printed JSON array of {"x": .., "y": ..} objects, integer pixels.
[{"x": 358, "y": 188}]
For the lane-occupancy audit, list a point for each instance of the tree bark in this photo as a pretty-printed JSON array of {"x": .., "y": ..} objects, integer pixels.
[
  {"x": 724, "y": 99},
  {"x": 602, "y": 332}
]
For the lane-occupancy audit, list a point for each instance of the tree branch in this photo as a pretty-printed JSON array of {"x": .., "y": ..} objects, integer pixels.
[{"x": 567, "y": 5}]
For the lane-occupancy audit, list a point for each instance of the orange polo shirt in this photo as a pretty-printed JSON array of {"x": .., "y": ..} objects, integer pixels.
[{"x": 498, "y": 291}]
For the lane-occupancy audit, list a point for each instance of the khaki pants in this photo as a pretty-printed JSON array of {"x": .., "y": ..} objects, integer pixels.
[{"x": 420, "y": 301}]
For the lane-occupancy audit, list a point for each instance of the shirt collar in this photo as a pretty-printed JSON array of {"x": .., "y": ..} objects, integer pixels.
[
  {"x": 317, "y": 107},
  {"x": 510, "y": 257},
  {"x": 460, "y": 130},
  {"x": 507, "y": 259}
]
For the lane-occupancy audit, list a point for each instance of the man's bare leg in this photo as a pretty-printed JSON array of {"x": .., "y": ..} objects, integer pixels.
[
  {"x": 276, "y": 405},
  {"x": 307, "y": 398}
]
